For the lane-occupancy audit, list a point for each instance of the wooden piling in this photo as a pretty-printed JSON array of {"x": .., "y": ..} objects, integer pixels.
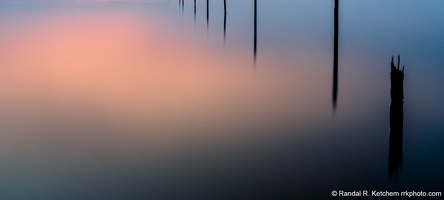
[
  {"x": 255, "y": 30},
  {"x": 396, "y": 117},
  {"x": 225, "y": 19},
  {"x": 208, "y": 12},
  {"x": 336, "y": 54},
  {"x": 225, "y": 7}
]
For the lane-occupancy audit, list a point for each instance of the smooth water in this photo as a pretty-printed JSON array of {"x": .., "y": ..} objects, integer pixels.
[{"x": 130, "y": 99}]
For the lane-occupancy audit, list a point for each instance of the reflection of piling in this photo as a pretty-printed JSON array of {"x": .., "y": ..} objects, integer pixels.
[
  {"x": 336, "y": 52},
  {"x": 396, "y": 117},
  {"x": 255, "y": 30},
  {"x": 194, "y": 10}
]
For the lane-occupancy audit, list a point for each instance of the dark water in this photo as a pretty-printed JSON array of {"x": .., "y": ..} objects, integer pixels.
[{"x": 152, "y": 100}]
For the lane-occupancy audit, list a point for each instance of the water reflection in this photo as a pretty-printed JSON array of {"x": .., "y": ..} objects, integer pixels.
[
  {"x": 194, "y": 10},
  {"x": 336, "y": 52},
  {"x": 396, "y": 117}
]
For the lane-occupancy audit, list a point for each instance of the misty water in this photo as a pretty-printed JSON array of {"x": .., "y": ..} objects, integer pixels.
[{"x": 148, "y": 99}]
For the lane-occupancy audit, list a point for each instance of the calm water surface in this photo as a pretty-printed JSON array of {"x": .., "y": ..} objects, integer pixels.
[{"x": 132, "y": 99}]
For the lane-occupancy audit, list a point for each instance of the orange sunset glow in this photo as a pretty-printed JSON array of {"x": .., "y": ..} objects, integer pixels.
[{"x": 116, "y": 64}]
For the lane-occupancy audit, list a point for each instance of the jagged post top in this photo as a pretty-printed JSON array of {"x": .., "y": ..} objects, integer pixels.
[{"x": 399, "y": 63}]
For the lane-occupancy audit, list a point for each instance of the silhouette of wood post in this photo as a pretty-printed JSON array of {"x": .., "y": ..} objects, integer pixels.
[
  {"x": 396, "y": 117},
  {"x": 208, "y": 12},
  {"x": 225, "y": 7},
  {"x": 225, "y": 18},
  {"x": 194, "y": 10},
  {"x": 397, "y": 81},
  {"x": 336, "y": 53},
  {"x": 255, "y": 30}
]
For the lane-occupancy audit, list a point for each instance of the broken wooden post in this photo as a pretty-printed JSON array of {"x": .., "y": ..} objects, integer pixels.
[{"x": 396, "y": 117}]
